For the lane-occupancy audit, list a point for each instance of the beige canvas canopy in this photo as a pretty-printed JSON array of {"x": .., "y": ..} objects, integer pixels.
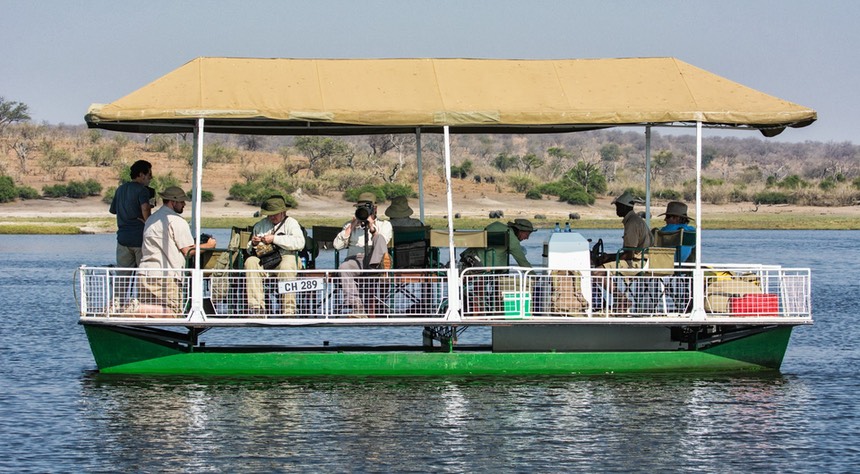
[{"x": 363, "y": 96}]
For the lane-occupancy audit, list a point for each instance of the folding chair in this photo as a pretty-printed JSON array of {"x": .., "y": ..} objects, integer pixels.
[{"x": 411, "y": 251}]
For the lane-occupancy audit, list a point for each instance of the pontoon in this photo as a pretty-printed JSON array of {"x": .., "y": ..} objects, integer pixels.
[{"x": 561, "y": 317}]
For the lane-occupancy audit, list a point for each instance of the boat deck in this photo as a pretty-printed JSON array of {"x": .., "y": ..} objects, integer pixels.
[{"x": 729, "y": 295}]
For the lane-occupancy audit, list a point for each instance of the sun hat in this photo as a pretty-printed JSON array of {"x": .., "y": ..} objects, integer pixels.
[
  {"x": 273, "y": 205},
  {"x": 365, "y": 197},
  {"x": 399, "y": 208},
  {"x": 675, "y": 208},
  {"x": 628, "y": 199},
  {"x": 174, "y": 193},
  {"x": 522, "y": 224}
]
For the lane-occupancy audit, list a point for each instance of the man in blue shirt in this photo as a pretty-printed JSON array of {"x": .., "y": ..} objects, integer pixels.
[
  {"x": 676, "y": 218},
  {"x": 132, "y": 207}
]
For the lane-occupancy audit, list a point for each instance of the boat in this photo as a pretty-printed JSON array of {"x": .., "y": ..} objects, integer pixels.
[{"x": 562, "y": 317}]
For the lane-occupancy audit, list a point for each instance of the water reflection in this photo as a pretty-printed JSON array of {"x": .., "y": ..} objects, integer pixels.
[{"x": 462, "y": 424}]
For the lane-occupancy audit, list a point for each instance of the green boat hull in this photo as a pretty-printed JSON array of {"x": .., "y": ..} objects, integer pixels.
[{"x": 123, "y": 352}]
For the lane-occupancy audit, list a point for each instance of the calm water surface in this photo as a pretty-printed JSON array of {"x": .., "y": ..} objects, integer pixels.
[{"x": 57, "y": 414}]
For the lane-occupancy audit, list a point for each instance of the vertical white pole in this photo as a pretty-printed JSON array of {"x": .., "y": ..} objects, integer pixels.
[
  {"x": 420, "y": 174},
  {"x": 197, "y": 312},
  {"x": 698, "y": 274},
  {"x": 648, "y": 175},
  {"x": 453, "y": 276}
]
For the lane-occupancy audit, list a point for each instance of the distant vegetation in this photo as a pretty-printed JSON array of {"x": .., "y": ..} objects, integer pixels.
[{"x": 74, "y": 162}]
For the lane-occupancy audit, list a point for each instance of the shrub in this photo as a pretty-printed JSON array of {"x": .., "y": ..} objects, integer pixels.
[
  {"x": 26, "y": 192},
  {"x": 534, "y": 194},
  {"x": 109, "y": 193},
  {"x": 577, "y": 196},
  {"x": 55, "y": 191},
  {"x": 555, "y": 188},
  {"x": 668, "y": 194},
  {"x": 93, "y": 187},
  {"x": 521, "y": 183},
  {"x": 827, "y": 184},
  {"x": 392, "y": 190},
  {"x": 856, "y": 183},
  {"x": 76, "y": 190},
  {"x": 352, "y": 195},
  {"x": 772, "y": 197},
  {"x": 8, "y": 192}
]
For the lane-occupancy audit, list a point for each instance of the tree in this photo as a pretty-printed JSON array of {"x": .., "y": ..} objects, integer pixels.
[
  {"x": 610, "y": 152},
  {"x": 587, "y": 176},
  {"x": 505, "y": 161},
  {"x": 530, "y": 162},
  {"x": 323, "y": 152},
  {"x": 11, "y": 112}
]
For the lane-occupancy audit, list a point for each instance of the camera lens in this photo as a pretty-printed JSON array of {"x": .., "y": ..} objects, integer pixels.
[{"x": 362, "y": 213}]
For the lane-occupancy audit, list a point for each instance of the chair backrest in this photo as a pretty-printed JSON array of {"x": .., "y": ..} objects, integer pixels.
[
  {"x": 497, "y": 241},
  {"x": 676, "y": 239},
  {"x": 661, "y": 260},
  {"x": 410, "y": 247},
  {"x": 462, "y": 239},
  {"x": 668, "y": 238},
  {"x": 324, "y": 237}
]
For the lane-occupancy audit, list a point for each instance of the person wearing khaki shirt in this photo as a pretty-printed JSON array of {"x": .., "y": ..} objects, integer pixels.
[{"x": 167, "y": 242}]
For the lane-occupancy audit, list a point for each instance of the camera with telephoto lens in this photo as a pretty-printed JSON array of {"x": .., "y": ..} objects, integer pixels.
[{"x": 363, "y": 212}]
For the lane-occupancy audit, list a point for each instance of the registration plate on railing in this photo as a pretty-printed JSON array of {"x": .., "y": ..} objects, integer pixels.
[{"x": 303, "y": 284}]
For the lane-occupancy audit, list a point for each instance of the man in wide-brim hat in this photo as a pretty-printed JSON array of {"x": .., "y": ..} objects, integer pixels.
[
  {"x": 399, "y": 213},
  {"x": 499, "y": 255},
  {"x": 636, "y": 233},
  {"x": 285, "y": 234},
  {"x": 676, "y": 218}
]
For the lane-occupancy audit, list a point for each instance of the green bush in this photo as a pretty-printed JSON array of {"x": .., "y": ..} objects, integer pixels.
[
  {"x": 577, "y": 196},
  {"x": 76, "y": 190},
  {"x": 534, "y": 194},
  {"x": 773, "y": 197},
  {"x": 8, "y": 192},
  {"x": 352, "y": 195},
  {"x": 93, "y": 187},
  {"x": 792, "y": 182},
  {"x": 108, "y": 196},
  {"x": 827, "y": 184},
  {"x": 55, "y": 191},
  {"x": 393, "y": 190},
  {"x": 856, "y": 183},
  {"x": 556, "y": 188},
  {"x": 26, "y": 192},
  {"x": 668, "y": 194},
  {"x": 521, "y": 183}
]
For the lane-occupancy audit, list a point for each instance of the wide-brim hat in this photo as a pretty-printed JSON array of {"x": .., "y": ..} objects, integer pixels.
[
  {"x": 365, "y": 197},
  {"x": 628, "y": 199},
  {"x": 174, "y": 193},
  {"x": 676, "y": 208},
  {"x": 274, "y": 205},
  {"x": 522, "y": 224},
  {"x": 399, "y": 208}
]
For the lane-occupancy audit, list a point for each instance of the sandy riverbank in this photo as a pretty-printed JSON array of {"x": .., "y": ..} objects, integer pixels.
[{"x": 91, "y": 214}]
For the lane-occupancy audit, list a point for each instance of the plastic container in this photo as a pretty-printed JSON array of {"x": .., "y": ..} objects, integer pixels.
[
  {"x": 514, "y": 301},
  {"x": 760, "y": 304}
]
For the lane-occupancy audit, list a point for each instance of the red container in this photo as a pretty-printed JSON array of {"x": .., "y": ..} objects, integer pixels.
[{"x": 765, "y": 304}]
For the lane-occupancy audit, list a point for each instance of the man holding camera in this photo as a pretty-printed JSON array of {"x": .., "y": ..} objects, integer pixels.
[
  {"x": 366, "y": 239},
  {"x": 276, "y": 229}
]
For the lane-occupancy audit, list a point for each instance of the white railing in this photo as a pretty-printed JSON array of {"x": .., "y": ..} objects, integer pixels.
[{"x": 509, "y": 293}]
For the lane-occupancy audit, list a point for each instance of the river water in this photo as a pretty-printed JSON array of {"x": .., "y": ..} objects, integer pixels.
[{"x": 57, "y": 414}]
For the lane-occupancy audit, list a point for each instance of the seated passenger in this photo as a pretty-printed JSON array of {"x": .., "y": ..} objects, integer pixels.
[
  {"x": 636, "y": 234},
  {"x": 499, "y": 256},
  {"x": 676, "y": 218},
  {"x": 366, "y": 237},
  {"x": 399, "y": 213},
  {"x": 286, "y": 235}
]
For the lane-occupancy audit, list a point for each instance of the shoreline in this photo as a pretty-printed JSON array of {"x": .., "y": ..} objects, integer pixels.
[{"x": 90, "y": 215}]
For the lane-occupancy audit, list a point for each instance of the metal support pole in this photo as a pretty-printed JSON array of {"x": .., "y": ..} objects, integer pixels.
[
  {"x": 648, "y": 175},
  {"x": 698, "y": 274},
  {"x": 197, "y": 313},
  {"x": 420, "y": 174},
  {"x": 453, "y": 276}
]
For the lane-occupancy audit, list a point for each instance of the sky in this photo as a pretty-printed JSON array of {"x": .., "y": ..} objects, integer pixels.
[{"x": 60, "y": 56}]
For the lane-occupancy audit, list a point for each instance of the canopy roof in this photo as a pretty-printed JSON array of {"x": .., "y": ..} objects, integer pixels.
[{"x": 364, "y": 96}]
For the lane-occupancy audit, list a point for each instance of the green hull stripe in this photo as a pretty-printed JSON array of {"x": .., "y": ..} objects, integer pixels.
[{"x": 123, "y": 354}]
